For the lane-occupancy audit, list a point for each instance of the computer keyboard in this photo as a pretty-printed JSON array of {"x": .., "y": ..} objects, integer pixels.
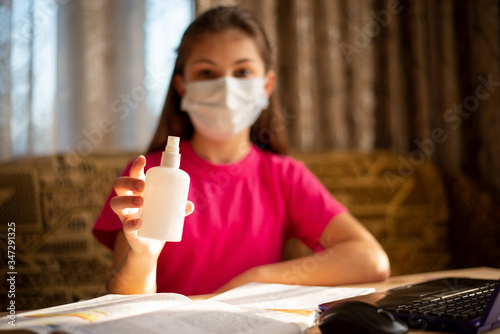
[{"x": 463, "y": 305}]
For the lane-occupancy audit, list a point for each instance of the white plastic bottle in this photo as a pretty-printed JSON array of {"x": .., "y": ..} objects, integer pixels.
[{"x": 165, "y": 197}]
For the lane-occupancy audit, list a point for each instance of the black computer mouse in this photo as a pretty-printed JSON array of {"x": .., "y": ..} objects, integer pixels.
[{"x": 355, "y": 317}]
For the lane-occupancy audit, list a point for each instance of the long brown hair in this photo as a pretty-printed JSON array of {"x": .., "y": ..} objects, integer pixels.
[{"x": 268, "y": 132}]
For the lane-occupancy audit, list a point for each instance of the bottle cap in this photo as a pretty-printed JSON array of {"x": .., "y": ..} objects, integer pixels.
[
  {"x": 171, "y": 157},
  {"x": 172, "y": 144}
]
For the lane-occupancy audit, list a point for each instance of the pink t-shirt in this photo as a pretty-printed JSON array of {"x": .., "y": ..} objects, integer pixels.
[{"x": 244, "y": 212}]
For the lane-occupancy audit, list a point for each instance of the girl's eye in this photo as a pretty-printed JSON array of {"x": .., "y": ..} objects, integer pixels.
[
  {"x": 206, "y": 74},
  {"x": 242, "y": 73}
]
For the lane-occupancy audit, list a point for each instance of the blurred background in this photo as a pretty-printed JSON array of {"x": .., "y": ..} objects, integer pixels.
[
  {"x": 393, "y": 104},
  {"x": 417, "y": 76}
]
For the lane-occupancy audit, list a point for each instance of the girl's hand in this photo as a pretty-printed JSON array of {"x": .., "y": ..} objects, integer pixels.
[
  {"x": 127, "y": 205},
  {"x": 250, "y": 275}
]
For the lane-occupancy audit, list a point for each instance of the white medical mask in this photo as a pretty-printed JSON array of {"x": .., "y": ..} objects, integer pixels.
[{"x": 222, "y": 108}]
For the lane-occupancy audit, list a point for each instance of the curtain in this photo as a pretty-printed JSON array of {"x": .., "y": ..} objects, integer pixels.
[
  {"x": 79, "y": 59},
  {"x": 420, "y": 77},
  {"x": 100, "y": 76},
  {"x": 24, "y": 31},
  {"x": 83, "y": 77}
]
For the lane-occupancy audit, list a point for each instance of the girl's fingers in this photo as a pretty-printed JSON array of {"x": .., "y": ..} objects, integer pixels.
[
  {"x": 137, "y": 169},
  {"x": 128, "y": 186},
  {"x": 189, "y": 208},
  {"x": 134, "y": 183},
  {"x": 124, "y": 202},
  {"x": 126, "y": 206},
  {"x": 140, "y": 245},
  {"x": 118, "y": 203},
  {"x": 130, "y": 227}
]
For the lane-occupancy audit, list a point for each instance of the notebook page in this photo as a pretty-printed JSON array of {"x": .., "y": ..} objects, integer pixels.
[
  {"x": 105, "y": 308},
  {"x": 284, "y": 296},
  {"x": 201, "y": 317}
]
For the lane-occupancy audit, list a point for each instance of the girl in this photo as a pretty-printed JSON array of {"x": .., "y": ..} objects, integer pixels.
[{"x": 249, "y": 196}]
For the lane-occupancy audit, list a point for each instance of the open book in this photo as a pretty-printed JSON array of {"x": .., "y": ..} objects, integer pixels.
[{"x": 252, "y": 308}]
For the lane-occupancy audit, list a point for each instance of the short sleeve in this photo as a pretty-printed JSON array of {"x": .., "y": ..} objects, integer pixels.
[{"x": 310, "y": 205}]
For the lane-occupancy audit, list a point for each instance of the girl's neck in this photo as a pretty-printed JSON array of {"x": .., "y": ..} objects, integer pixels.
[{"x": 215, "y": 152}]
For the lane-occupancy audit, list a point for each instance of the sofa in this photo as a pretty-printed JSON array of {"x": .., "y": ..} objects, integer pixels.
[{"x": 427, "y": 219}]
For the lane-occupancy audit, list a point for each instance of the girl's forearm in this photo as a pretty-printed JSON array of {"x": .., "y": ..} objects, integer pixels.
[
  {"x": 350, "y": 262},
  {"x": 134, "y": 275},
  {"x": 355, "y": 261}
]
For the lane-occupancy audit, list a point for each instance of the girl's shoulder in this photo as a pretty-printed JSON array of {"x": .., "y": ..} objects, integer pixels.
[{"x": 284, "y": 164}]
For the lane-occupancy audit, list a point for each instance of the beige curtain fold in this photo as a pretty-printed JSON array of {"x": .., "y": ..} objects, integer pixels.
[
  {"x": 101, "y": 76},
  {"x": 417, "y": 77}
]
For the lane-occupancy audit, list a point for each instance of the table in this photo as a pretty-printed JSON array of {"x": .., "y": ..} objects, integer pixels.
[{"x": 480, "y": 272}]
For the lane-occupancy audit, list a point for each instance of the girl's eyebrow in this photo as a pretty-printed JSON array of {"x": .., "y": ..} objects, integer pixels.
[
  {"x": 244, "y": 60},
  {"x": 209, "y": 61},
  {"x": 204, "y": 60}
]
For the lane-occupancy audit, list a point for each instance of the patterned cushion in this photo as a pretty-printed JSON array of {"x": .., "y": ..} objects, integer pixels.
[
  {"x": 402, "y": 204},
  {"x": 54, "y": 202}
]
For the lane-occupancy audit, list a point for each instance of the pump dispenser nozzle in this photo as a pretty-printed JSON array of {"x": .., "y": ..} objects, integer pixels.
[
  {"x": 171, "y": 157},
  {"x": 172, "y": 144}
]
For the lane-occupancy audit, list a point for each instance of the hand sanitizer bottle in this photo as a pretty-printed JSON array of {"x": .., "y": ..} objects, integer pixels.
[{"x": 165, "y": 197}]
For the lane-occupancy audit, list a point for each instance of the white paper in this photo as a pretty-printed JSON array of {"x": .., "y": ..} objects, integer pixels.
[
  {"x": 157, "y": 313},
  {"x": 203, "y": 317},
  {"x": 94, "y": 310},
  {"x": 284, "y": 296}
]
